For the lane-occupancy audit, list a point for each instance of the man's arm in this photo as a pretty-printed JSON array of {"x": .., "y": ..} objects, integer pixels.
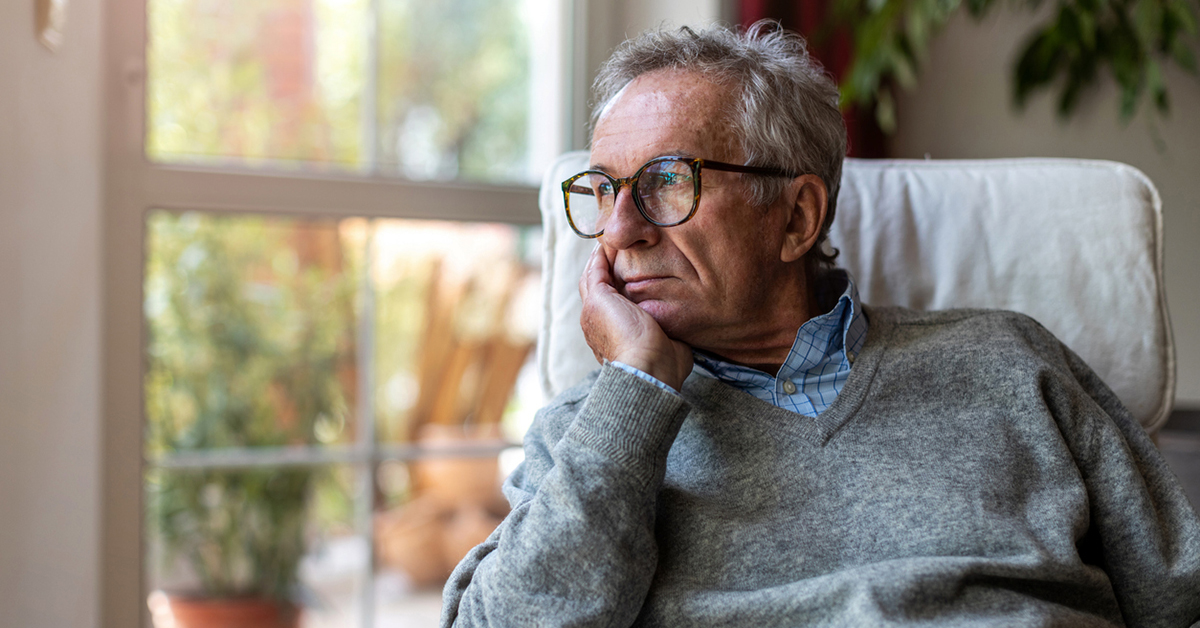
[
  {"x": 578, "y": 548},
  {"x": 1144, "y": 529}
]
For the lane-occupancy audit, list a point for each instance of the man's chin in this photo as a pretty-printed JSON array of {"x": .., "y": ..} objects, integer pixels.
[{"x": 666, "y": 314}]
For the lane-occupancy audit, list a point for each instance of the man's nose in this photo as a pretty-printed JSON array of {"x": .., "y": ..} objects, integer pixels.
[{"x": 626, "y": 226}]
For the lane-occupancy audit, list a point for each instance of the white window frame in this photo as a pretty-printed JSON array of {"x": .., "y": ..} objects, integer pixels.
[{"x": 135, "y": 186}]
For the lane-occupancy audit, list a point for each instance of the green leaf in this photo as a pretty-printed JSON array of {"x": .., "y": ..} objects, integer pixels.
[
  {"x": 885, "y": 111},
  {"x": 1132, "y": 79},
  {"x": 1085, "y": 22},
  {"x": 1157, "y": 87},
  {"x": 1068, "y": 25},
  {"x": 904, "y": 70},
  {"x": 1184, "y": 12},
  {"x": 917, "y": 25},
  {"x": 1148, "y": 22},
  {"x": 978, "y": 8},
  {"x": 1069, "y": 98},
  {"x": 1036, "y": 65},
  {"x": 1183, "y": 55}
]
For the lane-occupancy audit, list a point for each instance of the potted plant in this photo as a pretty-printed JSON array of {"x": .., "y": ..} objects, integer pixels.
[{"x": 249, "y": 325}]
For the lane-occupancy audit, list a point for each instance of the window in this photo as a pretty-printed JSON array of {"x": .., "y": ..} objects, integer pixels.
[
  {"x": 306, "y": 197},
  {"x": 327, "y": 406},
  {"x": 424, "y": 90}
]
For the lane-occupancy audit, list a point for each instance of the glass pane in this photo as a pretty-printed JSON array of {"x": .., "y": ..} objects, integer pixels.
[
  {"x": 437, "y": 510},
  {"x": 255, "y": 80},
  {"x": 457, "y": 312},
  {"x": 454, "y": 88},
  {"x": 448, "y": 90},
  {"x": 250, "y": 327},
  {"x": 254, "y": 544},
  {"x": 263, "y": 478},
  {"x": 408, "y": 552}
]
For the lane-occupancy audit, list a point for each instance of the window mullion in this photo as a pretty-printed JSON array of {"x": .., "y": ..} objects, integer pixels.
[
  {"x": 370, "y": 93},
  {"x": 252, "y": 457},
  {"x": 340, "y": 196},
  {"x": 365, "y": 356}
]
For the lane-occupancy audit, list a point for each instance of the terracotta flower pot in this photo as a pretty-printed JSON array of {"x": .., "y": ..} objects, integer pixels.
[{"x": 237, "y": 612}]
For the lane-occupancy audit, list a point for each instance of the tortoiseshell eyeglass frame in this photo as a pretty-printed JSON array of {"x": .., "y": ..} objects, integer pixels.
[{"x": 695, "y": 163}]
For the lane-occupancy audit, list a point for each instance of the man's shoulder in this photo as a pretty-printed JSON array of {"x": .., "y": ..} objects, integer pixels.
[
  {"x": 904, "y": 316},
  {"x": 964, "y": 319},
  {"x": 964, "y": 329}
]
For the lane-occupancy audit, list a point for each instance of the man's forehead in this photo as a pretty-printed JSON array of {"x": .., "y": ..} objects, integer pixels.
[
  {"x": 678, "y": 91},
  {"x": 666, "y": 112}
]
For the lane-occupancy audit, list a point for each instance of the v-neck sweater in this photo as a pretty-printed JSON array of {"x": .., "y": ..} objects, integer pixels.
[{"x": 973, "y": 471}]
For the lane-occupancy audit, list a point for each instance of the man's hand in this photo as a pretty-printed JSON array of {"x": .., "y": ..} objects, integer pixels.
[{"x": 618, "y": 330}]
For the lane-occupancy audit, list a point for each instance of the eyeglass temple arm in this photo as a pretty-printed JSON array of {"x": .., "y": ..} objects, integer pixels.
[{"x": 771, "y": 172}]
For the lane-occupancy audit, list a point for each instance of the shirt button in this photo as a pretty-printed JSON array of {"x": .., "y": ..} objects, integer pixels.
[
  {"x": 850, "y": 356},
  {"x": 789, "y": 387}
]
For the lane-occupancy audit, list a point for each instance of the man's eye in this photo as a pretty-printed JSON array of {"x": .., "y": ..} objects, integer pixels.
[{"x": 604, "y": 189}]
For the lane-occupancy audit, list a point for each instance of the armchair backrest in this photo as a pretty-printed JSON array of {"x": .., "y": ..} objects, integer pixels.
[{"x": 1076, "y": 244}]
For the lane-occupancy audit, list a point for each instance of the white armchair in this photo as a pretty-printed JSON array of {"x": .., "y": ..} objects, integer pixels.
[{"x": 1075, "y": 244}]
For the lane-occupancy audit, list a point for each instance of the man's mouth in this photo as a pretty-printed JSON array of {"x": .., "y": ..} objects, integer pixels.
[{"x": 642, "y": 283}]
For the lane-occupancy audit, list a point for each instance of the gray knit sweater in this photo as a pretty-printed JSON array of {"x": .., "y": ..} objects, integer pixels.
[{"x": 973, "y": 471}]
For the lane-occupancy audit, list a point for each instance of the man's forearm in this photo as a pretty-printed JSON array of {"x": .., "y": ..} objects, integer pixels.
[{"x": 579, "y": 546}]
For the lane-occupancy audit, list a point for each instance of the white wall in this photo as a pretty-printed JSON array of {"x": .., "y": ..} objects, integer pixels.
[
  {"x": 640, "y": 15},
  {"x": 50, "y": 337},
  {"x": 610, "y": 22},
  {"x": 962, "y": 109}
]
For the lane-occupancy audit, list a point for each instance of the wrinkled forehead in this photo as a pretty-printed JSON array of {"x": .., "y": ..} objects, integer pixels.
[{"x": 666, "y": 112}]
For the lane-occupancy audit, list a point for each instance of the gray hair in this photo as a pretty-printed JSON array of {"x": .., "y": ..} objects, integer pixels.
[{"x": 785, "y": 107}]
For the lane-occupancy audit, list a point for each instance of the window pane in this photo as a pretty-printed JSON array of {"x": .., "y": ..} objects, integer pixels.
[
  {"x": 250, "y": 333},
  {"x": 266, "y": 477},
  {"x": 448, "y": 90},
  {"x": 257, "y": 80},
  {"x": 457, "y": 310},
  {"x": 434, "y": 511},
  {"x": 454, "y": 88},
  {"x": 258, "y": 542},
  {"x": 458, "y": 306}
]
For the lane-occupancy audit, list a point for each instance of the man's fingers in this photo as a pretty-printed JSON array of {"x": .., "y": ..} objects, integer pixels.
[{"x": 596, "y": 272}]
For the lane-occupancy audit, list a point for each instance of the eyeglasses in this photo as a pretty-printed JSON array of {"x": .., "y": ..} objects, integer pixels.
[{"x": 666, "y": 191}]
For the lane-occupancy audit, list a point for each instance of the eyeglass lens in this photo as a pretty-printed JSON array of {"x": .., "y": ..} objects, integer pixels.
[{"x": 666, "y": 190}]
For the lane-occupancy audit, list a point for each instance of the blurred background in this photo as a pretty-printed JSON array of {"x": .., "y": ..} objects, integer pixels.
[{"x": 269, "y": 269}]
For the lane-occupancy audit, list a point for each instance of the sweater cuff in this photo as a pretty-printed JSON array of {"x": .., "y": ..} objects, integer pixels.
[{"x": 629, "y": 420}]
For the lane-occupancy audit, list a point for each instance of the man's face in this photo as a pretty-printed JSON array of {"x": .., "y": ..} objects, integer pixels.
[{"x": 707, "y": 280}]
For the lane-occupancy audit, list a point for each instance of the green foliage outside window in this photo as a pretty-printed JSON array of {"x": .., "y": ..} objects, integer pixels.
[
  {"x": 454, "y": 92},
  {"x": 426, "y": 90},
  {"x": 250, "y": 345}
]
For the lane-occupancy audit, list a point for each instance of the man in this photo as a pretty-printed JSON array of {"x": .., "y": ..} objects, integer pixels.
[{"x": 761, "y": 449}]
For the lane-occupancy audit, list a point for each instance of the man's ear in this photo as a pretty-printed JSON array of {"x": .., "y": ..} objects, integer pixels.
[{"x": 809, "y": 200}]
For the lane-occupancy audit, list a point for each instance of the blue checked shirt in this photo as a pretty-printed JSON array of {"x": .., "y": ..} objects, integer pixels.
[{"x": 817, "y": 365}]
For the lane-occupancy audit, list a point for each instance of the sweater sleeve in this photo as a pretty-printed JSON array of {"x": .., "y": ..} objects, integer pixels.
[
  {"x": 1144, "y": 530},
  {"x": 578, "y": 547}
]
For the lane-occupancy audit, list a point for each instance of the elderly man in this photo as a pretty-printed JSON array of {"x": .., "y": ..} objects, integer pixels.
[{"x": 762, "y": 449}]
